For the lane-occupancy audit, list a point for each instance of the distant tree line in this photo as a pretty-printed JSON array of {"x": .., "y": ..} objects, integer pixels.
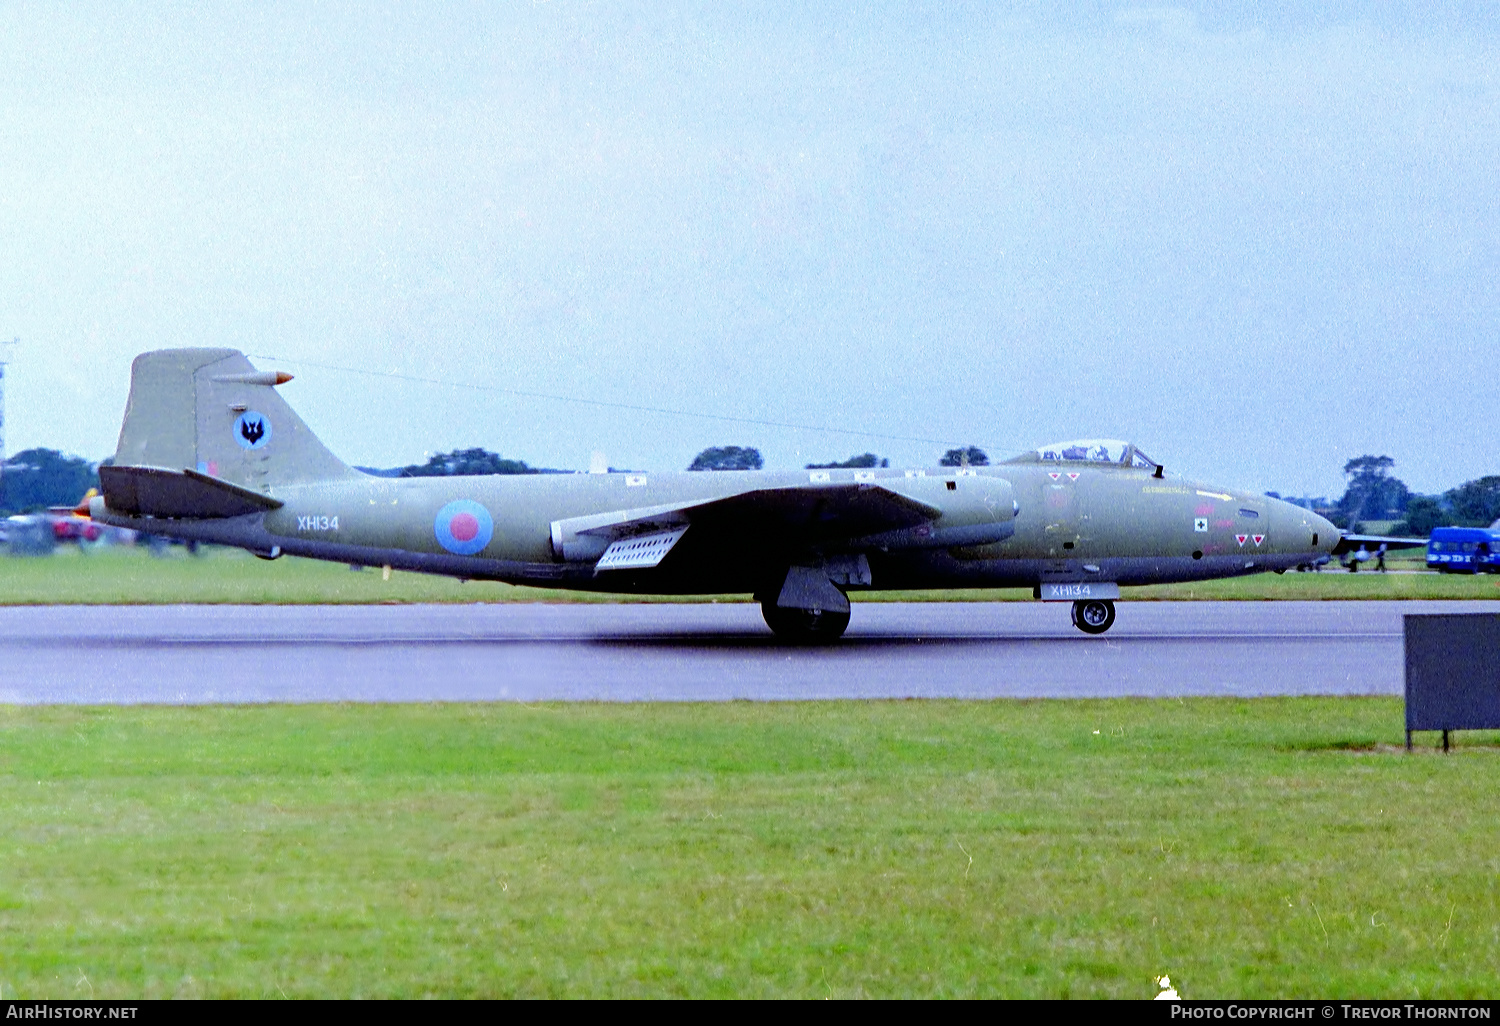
[
  {"x": 969, "y": 456},
  {"x": 735, "y": 457},
  {"x": 33, "y": 480},
  {"x": 727, "y": 457},
  {"x": 1471, "y": 504},
  {"x": 1374, "y": 493},
  {"x": 863, "y": 460},
  {"x": 462, "y": 463}
]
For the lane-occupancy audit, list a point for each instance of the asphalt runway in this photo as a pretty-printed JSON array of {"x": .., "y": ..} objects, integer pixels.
[{"x": 231, "y": 654}]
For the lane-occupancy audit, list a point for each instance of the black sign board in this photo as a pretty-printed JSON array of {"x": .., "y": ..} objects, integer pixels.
[{"x": 1452, "y": 673}]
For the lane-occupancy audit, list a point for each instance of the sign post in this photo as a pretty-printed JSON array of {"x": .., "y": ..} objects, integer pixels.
[{"x": 1452, "y": 673}]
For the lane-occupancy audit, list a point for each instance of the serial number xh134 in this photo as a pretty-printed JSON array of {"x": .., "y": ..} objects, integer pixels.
[{"x": 210, "y": 451}]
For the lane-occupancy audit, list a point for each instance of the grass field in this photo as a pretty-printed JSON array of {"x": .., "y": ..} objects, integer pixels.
[
  {"x": 1274, "y": 847},
  {"x": 129, "y": 576}
]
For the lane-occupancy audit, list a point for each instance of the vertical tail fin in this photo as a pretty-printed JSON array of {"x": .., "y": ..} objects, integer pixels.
[{"x": 210, "y": 410}]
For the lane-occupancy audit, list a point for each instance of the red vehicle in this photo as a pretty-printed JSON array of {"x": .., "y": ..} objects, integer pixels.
[{"x": 69, "y": 526}]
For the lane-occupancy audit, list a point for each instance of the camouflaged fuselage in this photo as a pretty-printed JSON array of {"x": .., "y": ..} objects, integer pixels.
[{"x": 1071, "y": 523}]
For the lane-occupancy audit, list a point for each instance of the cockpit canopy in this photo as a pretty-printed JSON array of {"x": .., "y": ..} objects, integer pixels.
[{"x": 1090, "y": 450}]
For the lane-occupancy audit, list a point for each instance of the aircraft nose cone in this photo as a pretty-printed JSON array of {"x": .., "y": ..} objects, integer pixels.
[
  {"x": 1327, "y": 534},
  {"x": 1301, "y": 530}
]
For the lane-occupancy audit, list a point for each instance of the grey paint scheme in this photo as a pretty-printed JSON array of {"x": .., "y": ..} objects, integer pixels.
[{"x": 1014, "y": 524}]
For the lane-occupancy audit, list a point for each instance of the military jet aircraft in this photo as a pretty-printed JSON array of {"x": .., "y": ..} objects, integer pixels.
[{"x": 210, "y": 451}]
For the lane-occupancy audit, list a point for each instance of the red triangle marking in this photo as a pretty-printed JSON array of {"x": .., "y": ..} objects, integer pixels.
[
  {"x": 1241, "y": 538},
  {"x": 1259, "y": 538},
  {"x": 1054, "y": 476},
  {"x": 1072, "y": 477}
]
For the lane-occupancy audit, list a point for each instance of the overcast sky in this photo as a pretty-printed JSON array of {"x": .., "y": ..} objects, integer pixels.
[{"x": 1256, "y": 245}]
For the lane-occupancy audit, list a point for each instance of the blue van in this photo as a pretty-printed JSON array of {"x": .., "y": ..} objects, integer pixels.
[{"x": 1464, "y": 550}]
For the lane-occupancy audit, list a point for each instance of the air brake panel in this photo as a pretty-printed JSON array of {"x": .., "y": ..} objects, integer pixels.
[{"x": 640, "y": 552}]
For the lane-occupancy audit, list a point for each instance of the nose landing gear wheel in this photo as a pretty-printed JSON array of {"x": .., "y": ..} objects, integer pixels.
[
  {"x": 804, "y": 626},
  {"x": 1094, "y": 616}
]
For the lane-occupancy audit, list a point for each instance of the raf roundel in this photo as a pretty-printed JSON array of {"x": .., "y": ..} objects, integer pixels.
[
  {"x": 252, "y": 430},
  {"x": 464, "y": 527}
]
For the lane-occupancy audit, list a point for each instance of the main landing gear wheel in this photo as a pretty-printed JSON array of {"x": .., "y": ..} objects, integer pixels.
[
  {"x": 804, "y": 626},
  {"x": 1094, "y": 616}
]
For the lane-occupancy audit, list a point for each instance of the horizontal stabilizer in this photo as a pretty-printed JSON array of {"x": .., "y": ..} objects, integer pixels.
[
  {"x": 640, "y": 552},
  {"x": 153, "y": 492}
]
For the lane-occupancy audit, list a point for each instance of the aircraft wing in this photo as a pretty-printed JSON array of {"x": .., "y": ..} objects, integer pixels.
[
  {"x": 813, "y": 514},
  {"x": 776, "y": 517},
  {"x": 1370, "y": 542}
]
